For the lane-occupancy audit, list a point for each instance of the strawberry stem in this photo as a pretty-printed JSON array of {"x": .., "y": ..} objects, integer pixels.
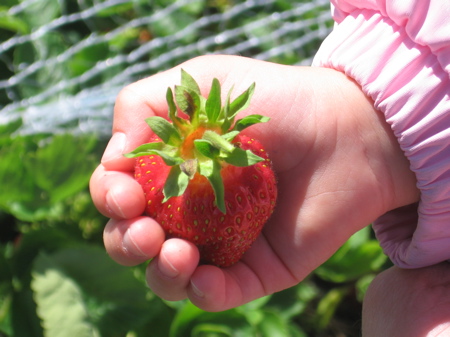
[{"x": 201, "y": 144}]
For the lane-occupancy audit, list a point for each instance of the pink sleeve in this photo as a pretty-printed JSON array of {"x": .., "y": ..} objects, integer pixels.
[{"x": 399, "y": 53}]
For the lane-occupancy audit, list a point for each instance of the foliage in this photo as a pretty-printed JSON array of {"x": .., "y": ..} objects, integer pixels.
[{"x": 55, "y": 277}]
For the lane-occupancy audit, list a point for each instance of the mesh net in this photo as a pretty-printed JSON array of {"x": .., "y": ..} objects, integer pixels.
[{"x": 62, "y": 62}]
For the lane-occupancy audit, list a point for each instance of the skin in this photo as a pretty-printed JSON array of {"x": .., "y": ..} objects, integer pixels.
[
  {"x": 338, "y": 165},
  {"x": 401, "y": 302}
]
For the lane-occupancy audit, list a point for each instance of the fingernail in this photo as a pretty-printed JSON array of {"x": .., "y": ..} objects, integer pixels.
[
  {"x": 167, "y": 268},
  {"x": 129, "y": 244},
  {"x": 115, "y": 147},
  {"x": 196, "y": 291},
  {"x": 112, "y": 203}
]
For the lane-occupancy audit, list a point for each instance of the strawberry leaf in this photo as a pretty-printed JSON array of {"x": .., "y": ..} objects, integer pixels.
[
  {"x": 225, "y": 112},
  {"x": 230, "y": 135},
  {"x": 213, "y": 103},
  {"x": 164, "y": 130},
  {"x": 242, "y": 158},
  {"x": 205, "y": 148},
  {"x": 173, "y": 112},
  {"x": 241, "y": 102},
  {"x": 189, "y": 102},
  {"x": 218, "y": 141},
  {"x": 176, "y": 183},
  {"x": 250, "y": 120},
  {"x": 211, "y": 170},
  {"x": 167, "y": 152},
  {"x": 171, "y": 104},
  {"x": 189, "y": 82}
]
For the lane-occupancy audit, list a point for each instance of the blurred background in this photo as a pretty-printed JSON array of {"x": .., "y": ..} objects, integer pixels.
[{"x": 62, "y": 63}]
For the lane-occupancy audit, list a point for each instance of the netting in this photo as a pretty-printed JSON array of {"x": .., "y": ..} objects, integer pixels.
[{"x": 62, "y": 62}]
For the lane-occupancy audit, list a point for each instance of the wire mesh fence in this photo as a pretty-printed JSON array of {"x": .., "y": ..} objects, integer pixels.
[{"x": 62, "y": 62}]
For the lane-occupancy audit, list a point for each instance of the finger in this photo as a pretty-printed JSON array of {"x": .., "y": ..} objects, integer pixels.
[
  {"x": 168, "y": 275},
  {"x": 131, "y": 242},
  {"x": 134, "y": 104},
  {"x": 116, "y": 194},
  {"x": 215, "y": 289}
]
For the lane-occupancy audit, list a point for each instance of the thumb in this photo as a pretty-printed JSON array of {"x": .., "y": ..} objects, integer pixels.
[{"x": 134, "y": 104}]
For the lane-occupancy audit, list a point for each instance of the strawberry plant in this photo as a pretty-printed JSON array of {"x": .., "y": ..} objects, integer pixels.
[{"x": 203, "y": 180}]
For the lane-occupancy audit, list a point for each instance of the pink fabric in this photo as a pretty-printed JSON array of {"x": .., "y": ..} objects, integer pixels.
[{"x": 399, "y": 52}]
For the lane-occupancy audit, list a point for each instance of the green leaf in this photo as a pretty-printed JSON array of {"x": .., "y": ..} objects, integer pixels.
[
  {"x": 250, "y": 120},
  {"x": 189, "y": 82},
  {"x": 62, "y": 167},
  {"x": 189, "y": 102},
  {"x": 37, "y": 173},
  {"x": 5, "y": 312},
  {"x": 94, "y": 298},
  {"x": 122, "y": 40},
  {"x": 12, "y": 23},
  {"x": 172, "y": 24},
  {"x": 194, "y": 7},
  {"x": 213, "y": 103},
  {"x": 173, "y": 112},
  {"x": 17, "y": 184},
  {"x": 176, "y": 183},
  {"x": 171, "y": 104},
  {"x": 184, "y": 318},
  {"x": 230, "y": 135},
  {"x": 328, "y": 305},
  {"x": 362, "y": 285},
  {"x": 32, "y": 242},
  {"x": 225, "y": 112},
  {"x": 164, "y": 130},
  {"x": 86, "y": 58},
  {"x": 218, "y": 141},
  {"x": 359, "y": 256},
  {"x": 211, "y": 170},
  {"x": 7, "y": 129},
  {"x": 212, "y": 330},
  {"x": 60, "y": 302},
  {"x": 168, "y": 153},
  {"x": 274, "y": 325},
  {"x": 241, "y": 102},
  {"x": 242, "y": 158},
  {"x": 206, "y": 148},
  {"x": 192, "y": 321},
  {"x": 6, "y": 287},
  {"x": 116, "y": 9},
  {"x": 48, "y": 10},
  {"x": 23, "y": 309}
]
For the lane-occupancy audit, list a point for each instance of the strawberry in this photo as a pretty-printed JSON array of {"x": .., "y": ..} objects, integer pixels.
[{"x": 203, "y": 180}]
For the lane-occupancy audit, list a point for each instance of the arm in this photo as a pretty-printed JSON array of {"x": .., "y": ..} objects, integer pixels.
[{"x": 399, "y": 53}]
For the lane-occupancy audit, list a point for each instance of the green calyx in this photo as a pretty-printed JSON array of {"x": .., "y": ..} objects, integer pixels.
[{"x": 202, "y": 143}]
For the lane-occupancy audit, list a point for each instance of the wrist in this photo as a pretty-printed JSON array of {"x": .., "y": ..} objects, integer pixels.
[
  {"x": 397, "y": 182},
  {"x": 367, "y": 141}
]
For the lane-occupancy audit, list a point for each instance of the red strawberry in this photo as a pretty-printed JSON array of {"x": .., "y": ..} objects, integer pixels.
[{"x": 203, "y": 181}]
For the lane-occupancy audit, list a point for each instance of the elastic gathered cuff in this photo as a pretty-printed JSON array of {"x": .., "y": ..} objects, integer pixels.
[{"x": 409, "y": 85}]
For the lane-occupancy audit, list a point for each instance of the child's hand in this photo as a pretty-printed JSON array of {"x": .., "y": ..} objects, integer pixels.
[
  {"x": 418, "y": 302},
  {"x": 338, "y": 165}
]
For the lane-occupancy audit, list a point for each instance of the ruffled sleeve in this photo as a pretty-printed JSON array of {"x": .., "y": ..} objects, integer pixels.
[{"x": 399, "y": 53}]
